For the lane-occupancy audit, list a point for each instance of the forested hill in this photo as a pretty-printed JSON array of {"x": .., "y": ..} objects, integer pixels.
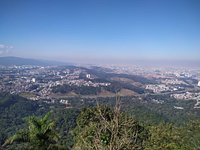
[
  {"x": 84, "y": 124},
  {"x": 13, "y": 110}
]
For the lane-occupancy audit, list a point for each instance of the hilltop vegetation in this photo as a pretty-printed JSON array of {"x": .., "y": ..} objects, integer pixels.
[{"x": 28, "y": 125}]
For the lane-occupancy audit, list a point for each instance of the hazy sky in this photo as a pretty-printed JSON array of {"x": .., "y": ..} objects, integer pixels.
[{"x": 100, "y": 30}]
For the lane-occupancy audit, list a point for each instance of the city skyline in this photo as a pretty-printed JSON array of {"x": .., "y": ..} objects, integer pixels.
[{"x": 101, "y": 31}]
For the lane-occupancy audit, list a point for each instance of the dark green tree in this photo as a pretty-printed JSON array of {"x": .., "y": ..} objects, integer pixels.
[
  {"x": 165, "y": 137},
  {"x": 39, "y": 134}
]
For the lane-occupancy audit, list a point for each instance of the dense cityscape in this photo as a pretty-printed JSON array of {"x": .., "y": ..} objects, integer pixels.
[{"x": 43, "y": 82}]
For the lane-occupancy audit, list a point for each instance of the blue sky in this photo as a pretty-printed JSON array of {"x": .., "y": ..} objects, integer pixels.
[{"x": 100, "y": 30}]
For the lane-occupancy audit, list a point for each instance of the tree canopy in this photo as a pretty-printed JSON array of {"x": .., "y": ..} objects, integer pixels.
[{"x": 39, "y": 134}]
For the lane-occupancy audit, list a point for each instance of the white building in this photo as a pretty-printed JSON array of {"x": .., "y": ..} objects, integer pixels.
[
  {"x": 199, "y": 83},
  {"x": 88, "y": 76},
  {"x": 33, "y": 80}
]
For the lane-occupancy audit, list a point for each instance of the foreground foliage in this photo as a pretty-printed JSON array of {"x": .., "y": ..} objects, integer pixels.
[
  {"x": 170, "y": 137},
  {"x": 39, "y": 134},
  {"x": 106, "y": 128},
  {"x": 98, "y": 127}
]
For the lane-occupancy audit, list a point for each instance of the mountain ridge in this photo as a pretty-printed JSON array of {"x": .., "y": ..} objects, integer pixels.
[{"x": 12, "y": 60}]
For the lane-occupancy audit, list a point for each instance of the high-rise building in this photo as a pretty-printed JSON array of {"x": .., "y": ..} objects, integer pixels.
[
  {"x": 88, "y": 76},
  {"x": 199, "y": 83},
  {"x": 33, "y": 80}
]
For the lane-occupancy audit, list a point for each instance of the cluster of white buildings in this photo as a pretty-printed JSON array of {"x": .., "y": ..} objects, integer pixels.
[
  {"x": 172, "y": 81},
  {"x": 157, "y": 88},
  {"x": 187, "y": 96}
]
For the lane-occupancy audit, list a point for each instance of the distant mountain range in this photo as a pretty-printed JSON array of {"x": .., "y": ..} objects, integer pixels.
[{"x": 9, "y": 61}]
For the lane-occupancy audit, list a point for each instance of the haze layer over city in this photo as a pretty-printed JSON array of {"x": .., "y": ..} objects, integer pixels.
[{"x": 107, "y": 32}]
